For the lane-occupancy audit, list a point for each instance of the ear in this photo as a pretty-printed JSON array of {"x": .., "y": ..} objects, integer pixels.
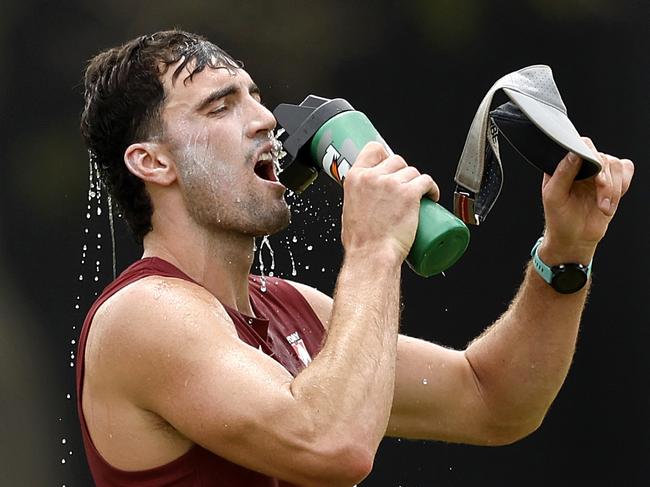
[{"x": 151, "y": 163}]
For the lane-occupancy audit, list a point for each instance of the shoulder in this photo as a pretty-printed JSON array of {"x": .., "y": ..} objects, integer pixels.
[
  {"x": 156, "y": 298},
  {"x": 320, "y": 302},
  {"x": 146, "y": 321}
]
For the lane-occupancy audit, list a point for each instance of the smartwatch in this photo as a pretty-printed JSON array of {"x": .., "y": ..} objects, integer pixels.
[{"x": 564, "y": 278}]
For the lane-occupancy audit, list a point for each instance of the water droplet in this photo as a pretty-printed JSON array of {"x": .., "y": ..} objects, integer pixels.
[
  {"x": 99, "y": 235},
  {"x": 63, "y": 441},
  {"x": 294, "y": 239},
  {"x": 71, "y": 364},
  {"x": 67, "y": 396},
  {"x": 63, "y": 460},
  {"x": 87, "y": 216},
  {"x": 73, "y": 342},
  {"x": 425, "y": 381},
  {"x": 81, "y": 277},
  {"x": 99, "y": 211},
  {"x": 76, "y": 306},
  {"x": 309, "y": 247}
]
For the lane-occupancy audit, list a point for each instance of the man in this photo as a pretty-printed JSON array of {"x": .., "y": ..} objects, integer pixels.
[{"x": 192, "y": 372}]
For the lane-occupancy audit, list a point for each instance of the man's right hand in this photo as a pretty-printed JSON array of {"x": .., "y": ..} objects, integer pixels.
[{"x": 382, "y": 201}]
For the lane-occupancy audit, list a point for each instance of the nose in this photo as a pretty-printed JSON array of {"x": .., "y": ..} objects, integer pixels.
[{"x": 262, "y": 120}]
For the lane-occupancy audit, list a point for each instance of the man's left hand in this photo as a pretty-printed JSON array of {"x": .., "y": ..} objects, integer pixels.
[{"x": 578, "y": 212}]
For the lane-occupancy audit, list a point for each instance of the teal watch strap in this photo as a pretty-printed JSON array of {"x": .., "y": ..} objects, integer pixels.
[{"x": 542, "y": 269}]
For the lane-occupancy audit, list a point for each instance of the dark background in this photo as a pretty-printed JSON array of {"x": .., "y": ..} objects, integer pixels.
[{"x": 418, "y": 69}]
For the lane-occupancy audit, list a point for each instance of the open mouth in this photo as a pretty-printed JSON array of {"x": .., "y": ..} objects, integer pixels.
[{"x": 264, "y": 168}]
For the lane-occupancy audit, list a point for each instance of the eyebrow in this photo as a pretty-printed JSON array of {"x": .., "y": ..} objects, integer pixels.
[{"x": 228, "y": 90}]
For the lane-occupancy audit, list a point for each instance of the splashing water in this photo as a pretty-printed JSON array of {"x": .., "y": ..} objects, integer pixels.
[
  {"x": 265, "y": 243},
  {"x": 112, "y": 227},
  {"x": 277, "y": 151},
  {"x": 90, "y": 259}
]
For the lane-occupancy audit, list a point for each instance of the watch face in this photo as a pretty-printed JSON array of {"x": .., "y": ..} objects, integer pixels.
[{"x": 569, "y": 278}]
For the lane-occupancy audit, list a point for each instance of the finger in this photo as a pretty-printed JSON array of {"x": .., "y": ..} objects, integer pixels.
[
  {"x": 628, "y": 172},
  {"x": 406, "y": 174},
  {"x": 424, "y": 185},
  {"x": 604, "y": 186},
  {"x": 391, "y": 165},
  {"x": 590, "y": 144},
  {"x": 616, "y": 173},
  {"x": 559, "y": 184},
  {"x": 372, "y": 154}
]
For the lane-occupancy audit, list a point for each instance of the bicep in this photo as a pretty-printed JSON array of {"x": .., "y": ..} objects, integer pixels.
[
  {"x": 186, "y": 364},
  {"x": 437, "y": 396},
  {"x": 436, "y": 393}
]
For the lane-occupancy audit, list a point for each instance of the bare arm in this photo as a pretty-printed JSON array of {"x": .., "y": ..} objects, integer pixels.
[
  {"x": 501, "y": 386},
  {"x": 173, "y": 351},
  {"x": 519, "y": 364}
]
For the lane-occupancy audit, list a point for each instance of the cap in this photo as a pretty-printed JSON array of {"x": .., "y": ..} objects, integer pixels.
[
  {"x": 538, "y": 98},
  {"x": 534, "y": 122}
]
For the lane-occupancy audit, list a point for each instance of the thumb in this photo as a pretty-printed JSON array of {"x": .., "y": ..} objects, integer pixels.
[{"x": 558, "y": 186}]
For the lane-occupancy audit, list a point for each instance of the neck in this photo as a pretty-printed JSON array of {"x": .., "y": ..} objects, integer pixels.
[{"x": 219, "y": 261}]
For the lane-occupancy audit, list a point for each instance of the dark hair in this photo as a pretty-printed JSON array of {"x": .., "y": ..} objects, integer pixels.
[{"x": 124, "y": 97}]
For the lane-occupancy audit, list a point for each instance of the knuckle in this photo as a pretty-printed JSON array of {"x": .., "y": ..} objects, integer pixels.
[
  {"x": 412, "y": 171},
  {"x": 399, "y": 160},
  {"x": 375, "y": 148}
]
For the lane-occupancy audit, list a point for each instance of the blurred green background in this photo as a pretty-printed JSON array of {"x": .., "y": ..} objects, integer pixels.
[{"x": 418, "y": 69}]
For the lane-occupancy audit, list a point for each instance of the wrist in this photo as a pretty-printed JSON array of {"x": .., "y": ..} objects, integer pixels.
[
  {"x": 566, "y": 277},
  {"x": 555, "y": 252},
  {"x": 374, "y": 256}
]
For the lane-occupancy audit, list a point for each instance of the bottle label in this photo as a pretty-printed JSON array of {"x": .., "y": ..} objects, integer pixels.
[{"x": 335, "y": 165}]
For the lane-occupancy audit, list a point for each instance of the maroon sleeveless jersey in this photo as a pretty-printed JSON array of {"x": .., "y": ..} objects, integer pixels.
[{"x": 285, "y": 328}]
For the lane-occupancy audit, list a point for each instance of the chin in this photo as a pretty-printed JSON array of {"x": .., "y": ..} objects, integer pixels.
[{"x": 278, "y": 222}]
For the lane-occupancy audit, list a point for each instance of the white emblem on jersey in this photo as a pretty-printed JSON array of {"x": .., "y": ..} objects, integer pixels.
[{"x": 299, "y": 347}]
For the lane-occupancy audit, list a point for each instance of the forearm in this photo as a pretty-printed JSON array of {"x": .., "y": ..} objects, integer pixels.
[
  {"x": 350, "y": 384},
  {"x": 521, "y": 361}
]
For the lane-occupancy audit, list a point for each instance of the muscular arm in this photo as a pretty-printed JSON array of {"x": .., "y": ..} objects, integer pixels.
[
  {"x": 499, "y": 389},
  {"x": 168, "y": 347},
  {"x": 176, "y": 353}
]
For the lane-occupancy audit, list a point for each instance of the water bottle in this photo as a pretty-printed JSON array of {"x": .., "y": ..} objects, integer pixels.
[{"x": 323, "y": 135}]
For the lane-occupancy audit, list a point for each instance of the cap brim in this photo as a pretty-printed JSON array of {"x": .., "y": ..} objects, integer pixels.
[{"x": 555, "y": 124}]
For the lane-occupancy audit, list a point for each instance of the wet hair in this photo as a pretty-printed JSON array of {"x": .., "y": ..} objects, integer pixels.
[{"x": 124, "y": 99}]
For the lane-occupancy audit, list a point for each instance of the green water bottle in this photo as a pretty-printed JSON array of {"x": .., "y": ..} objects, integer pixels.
[{"x": 327, "y": 135}]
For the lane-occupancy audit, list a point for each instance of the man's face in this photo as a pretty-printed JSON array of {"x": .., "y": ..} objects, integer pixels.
[{"x": 219, "y": 134}]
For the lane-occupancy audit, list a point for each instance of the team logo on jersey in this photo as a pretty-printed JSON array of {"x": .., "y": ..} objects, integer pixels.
[{"x": 299, "y": 347}]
